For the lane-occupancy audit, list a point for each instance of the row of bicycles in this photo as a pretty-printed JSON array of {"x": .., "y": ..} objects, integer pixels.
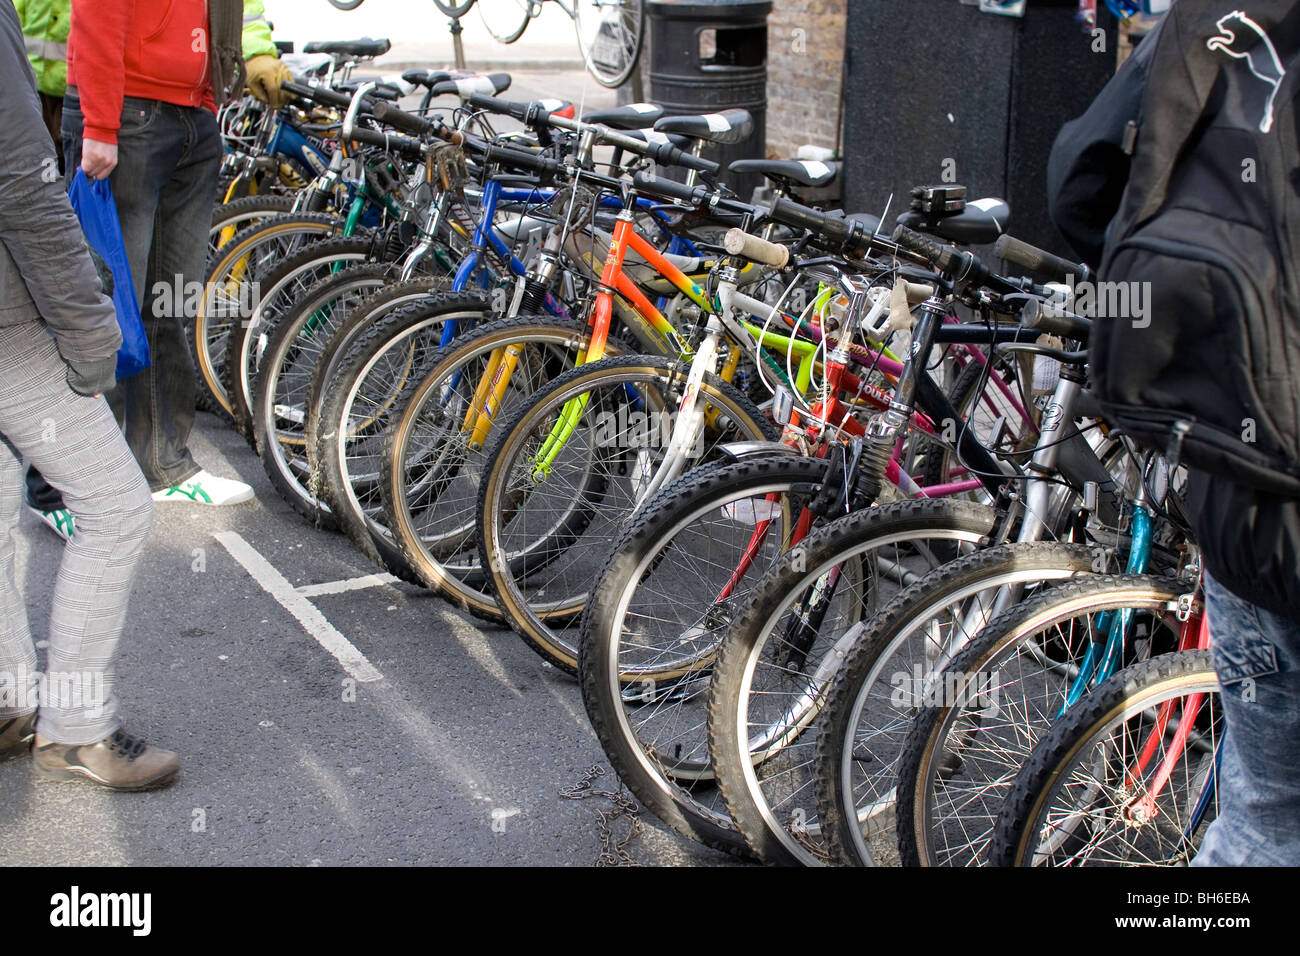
[{"x": 817, "y": 510}]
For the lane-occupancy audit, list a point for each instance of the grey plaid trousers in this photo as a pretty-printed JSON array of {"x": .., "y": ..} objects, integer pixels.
[{"x": 76, "y": 444}]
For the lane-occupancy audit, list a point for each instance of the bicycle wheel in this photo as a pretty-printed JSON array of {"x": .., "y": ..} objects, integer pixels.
[
  {"x": 280, "y": 390},
  {"x": 346, "y": 4},
  {"x": 872, "y": 702},
  {"x": 670, "y": 589},
  {"x": 506, "y": 20},
  {"x": 280, "y": 293},
  {"x": 562, "y": 480},
  {"x": 371, "y": 385},
  {"x": 231, "y": 283},
  {"x": 453, "y": 10},
  {"x": 982, "y": 709},
  {"x": 609, "y": 33},
  {"x": 433, "y": 458},
  {"x": 1126, "y": 778},
  {"x": 230, "y": 217},
  {"x": 777, "y": 663}
]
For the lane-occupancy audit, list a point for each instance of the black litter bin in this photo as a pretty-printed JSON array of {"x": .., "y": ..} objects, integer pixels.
[{"x": 711, "y": 55}]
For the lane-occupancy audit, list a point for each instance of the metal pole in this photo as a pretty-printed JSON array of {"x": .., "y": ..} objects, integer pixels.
[{"x": 458, "y": 47}]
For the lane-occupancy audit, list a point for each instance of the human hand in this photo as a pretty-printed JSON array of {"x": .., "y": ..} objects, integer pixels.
[
  {"x": 265, "y": 74},
  {"x": 98, "y": 159}
]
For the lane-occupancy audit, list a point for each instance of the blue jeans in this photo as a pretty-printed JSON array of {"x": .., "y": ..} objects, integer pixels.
[
  {"x": 1257, "y": 657},
  {"x": 165, "y": 184}
]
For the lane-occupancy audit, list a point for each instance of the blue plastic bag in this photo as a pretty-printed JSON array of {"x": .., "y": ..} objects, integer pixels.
[{"x": 92, "y": 200}]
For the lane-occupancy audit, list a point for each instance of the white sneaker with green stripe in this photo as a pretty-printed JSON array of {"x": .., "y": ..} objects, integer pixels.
[
  {"x": 60, "y": 521},
  {"x": 206, "y": 489}
]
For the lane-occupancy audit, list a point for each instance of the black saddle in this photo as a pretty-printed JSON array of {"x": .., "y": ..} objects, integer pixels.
[
  {"x": 726, "y": 128},
  {"x": 789, "y": 172},
  {"x": 981, "y": 222},
  {"x": 362, "y": 47},
  {"x": 632, "y": 116}
]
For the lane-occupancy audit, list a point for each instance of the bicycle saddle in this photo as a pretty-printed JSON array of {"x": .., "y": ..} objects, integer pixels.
[
  {"x": 650, "y": 136},
  {"x": 981, "y": 222},
  {"x": 490, "y": 83},
  {"x": 727, "y": 128},
  {"x": 632, "y": 116},
  {"x": 789, "y": 172},
  {"x": 362, "y": 47},
  {"x": 428, "y": 77}
]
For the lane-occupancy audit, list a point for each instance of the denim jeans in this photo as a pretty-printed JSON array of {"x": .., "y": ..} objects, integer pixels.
[
  {"x": 165, "y": 183},
  {"x": 1257, "y": 657}
]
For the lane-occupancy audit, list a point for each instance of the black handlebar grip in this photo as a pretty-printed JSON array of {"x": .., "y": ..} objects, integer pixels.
[
  {"x": 1066, "y": 325},
  {"x": 945, "y": 258},
  {"x": 1042, "y": 264},
  {"x": 666, "y": 154},
  {"x": 389, "y": 141},
  {"x": 670, "y": 189},
  {"x": 392, "y": 116},
  {"x": 494, "y": 105},
  {"x": 319, "y": 94},
  {"x": 386, "y": 92},
  {"x": 519, "y": 159},
  {"x": 833, "y": 228}
]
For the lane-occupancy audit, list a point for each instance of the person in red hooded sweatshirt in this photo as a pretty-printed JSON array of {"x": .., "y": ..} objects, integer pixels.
[{"x": 145, "y": 78}]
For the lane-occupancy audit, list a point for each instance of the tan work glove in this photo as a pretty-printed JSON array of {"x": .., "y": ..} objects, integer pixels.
[{"x": 265, "y": 74}]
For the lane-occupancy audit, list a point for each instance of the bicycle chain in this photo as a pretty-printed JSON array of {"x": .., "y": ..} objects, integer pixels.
[{"x": 613, "y": 852}]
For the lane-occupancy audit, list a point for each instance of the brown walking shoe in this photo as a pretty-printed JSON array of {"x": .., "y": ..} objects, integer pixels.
[
  {"x": 119, "y": 762},
  {"x": 16, "y": 735}
]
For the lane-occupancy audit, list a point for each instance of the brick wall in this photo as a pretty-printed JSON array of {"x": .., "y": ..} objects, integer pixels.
[{"x": 805, "y": 65}]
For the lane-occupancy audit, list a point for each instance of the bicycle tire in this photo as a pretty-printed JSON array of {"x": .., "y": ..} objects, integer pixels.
[
  {"x": 1127, "y": 695},
  {"x": 212, "y": 329},
  {"x": 628, "y": 36},
  {"x": 782, "y": 746},
  {"x": 537, "y": 624},
  {"x": 670, "y": 773},
  {"x": 961, "y": 752},
  {"x": 453, "y": 10},
  {"x": 440, "y": 562},
  {"x": 329, "y": 426},
  {"x": 506, "y": 20},
  {"x": 855, "y": 775},
  {"x": 279, "y": 415},
  {"x": 281, "y": 291}
]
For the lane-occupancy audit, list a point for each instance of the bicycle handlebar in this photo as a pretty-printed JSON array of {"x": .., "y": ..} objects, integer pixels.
[
  {"x": 533, "y": 115},
  {"x": 1043, "y": 264}
]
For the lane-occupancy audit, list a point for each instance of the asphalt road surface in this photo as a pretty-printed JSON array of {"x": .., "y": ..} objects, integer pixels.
[{"x": 455, "y": 754}]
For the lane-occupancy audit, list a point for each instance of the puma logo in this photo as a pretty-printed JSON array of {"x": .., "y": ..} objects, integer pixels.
[{"x": 1261, "y": 57}]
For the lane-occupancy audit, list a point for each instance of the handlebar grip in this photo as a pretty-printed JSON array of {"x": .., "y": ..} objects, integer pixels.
[
  {"x": 737, "y": 242},
  {"x": 944, "y": 257},
  {"x": 519, "y": 159},
  {"x": 392, "y": 116},
  {"x": 918, "y": 292},
  {"x": 389, "y": 141},
  {"x": 666, "y": 154},
  {"x": 1043, "y": 264},
  {"x": 670, "y": 189},
  {"x": 835, "y": 229},
  {"x": 386, "y": 91},
  {"x": 494, "y": 105},
  {"x": 318, "y": 93},
  {"x": 1068, "y": 326}
]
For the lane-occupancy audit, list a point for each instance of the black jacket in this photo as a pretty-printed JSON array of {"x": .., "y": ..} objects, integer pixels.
[{"x": 1250, "y": 541}]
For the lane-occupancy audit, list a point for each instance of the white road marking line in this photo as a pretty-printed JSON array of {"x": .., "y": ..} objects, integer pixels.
[
  {"x": 348, "y": 584},
  {"x": 312, "y": 620}
]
